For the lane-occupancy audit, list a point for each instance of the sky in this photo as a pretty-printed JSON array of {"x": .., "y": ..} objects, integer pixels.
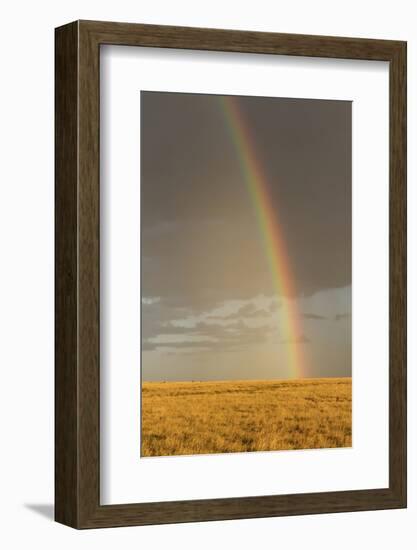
[{"x": 211, "y": 308}]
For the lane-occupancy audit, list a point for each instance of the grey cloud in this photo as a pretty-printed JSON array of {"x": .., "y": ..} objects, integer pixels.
[
  {"x": 274, "y": 306},
  {"x": 246, "y": 311},
  {"x": 313, "y": 316},
  {"x": 170, "y": 329},
  {"x": 148, "y": 346},
  {"x": 302, "y": 339},
  {"x": 151, "y": 346},
  {"x": 222, "y": 338},
  {"x": 341, "y": 316}
]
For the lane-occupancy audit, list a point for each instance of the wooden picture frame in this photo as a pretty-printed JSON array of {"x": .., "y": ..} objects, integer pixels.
[{"x": 77, "y": 370}]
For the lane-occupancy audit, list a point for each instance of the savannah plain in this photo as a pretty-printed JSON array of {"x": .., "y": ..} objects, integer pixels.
[{"x": 187, "y": 418}]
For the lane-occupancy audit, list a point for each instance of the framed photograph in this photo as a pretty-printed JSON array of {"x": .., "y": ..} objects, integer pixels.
[{"x": 230, "y": 274}]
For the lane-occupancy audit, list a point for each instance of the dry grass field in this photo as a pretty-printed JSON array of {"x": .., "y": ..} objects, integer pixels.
[{"x": 184, "y": 418}]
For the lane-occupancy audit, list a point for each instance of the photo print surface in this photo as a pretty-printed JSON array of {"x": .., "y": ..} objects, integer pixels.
[{"x": 245, "y": 274}]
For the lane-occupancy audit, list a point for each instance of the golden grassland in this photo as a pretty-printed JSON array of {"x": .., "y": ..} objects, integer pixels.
[{"x": 184, "y": 418}]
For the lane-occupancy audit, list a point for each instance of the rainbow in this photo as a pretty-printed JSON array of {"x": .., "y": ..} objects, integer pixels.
[{"x": 271, "y": 231}]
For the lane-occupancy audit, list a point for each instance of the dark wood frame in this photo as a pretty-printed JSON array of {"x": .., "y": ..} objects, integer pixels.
[{"x": 77, "y": 358}]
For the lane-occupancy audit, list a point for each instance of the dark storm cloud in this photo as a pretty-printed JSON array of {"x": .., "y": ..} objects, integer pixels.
[
  {"x": 201, "y": 243},
  {"x": 194, "y": 264}
]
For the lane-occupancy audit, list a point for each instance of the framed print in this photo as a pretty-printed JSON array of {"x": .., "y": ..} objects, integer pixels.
[{"x": 230, "y": 274}]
